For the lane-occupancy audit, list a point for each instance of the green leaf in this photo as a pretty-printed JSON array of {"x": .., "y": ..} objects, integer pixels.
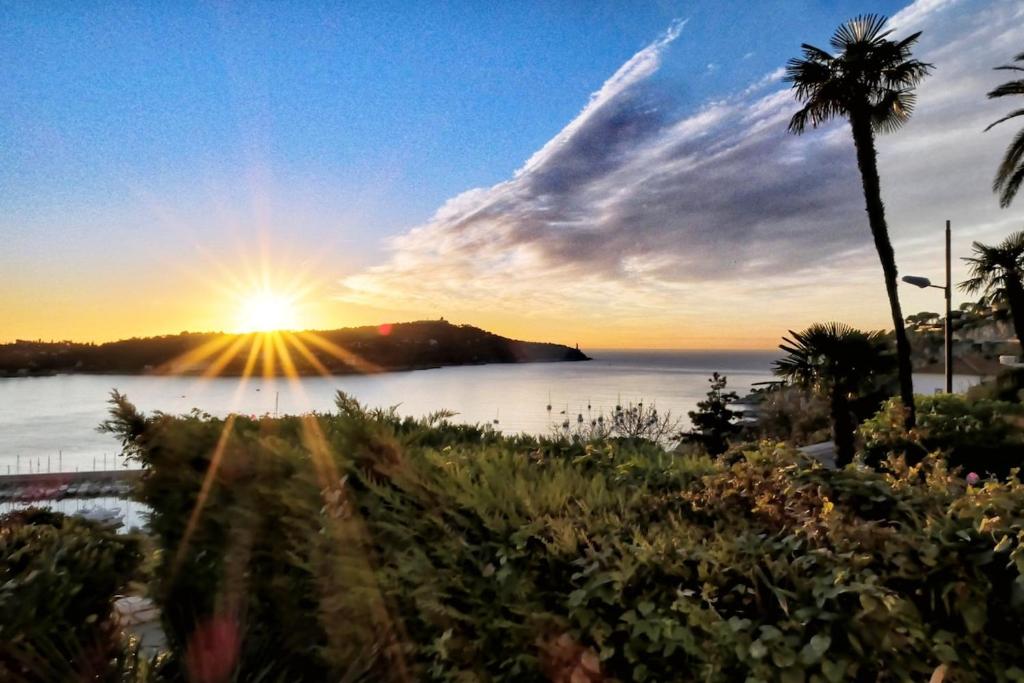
[
  {"x": 975, "y": 615},
  {"x": 738, "y": 624},
  {"x": 944, "y": 652},
  {"x": 792, "y": 676},
  {"x": 834, "y": 671},
  {"x": 758, "y": 649},
  {"x": 783, "y": 657},
  {"x": 815, "y": 649}
]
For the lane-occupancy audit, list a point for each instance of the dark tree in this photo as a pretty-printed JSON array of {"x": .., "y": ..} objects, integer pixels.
[
  {"x": 998, "y": 274},
  {"x": 713, "y": 421},
  {"x": 840, "y": 363},
  {"x": 870, "y": 82}
]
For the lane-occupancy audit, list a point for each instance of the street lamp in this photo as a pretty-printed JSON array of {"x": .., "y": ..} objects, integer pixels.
[{"x": 924, "y": 282}]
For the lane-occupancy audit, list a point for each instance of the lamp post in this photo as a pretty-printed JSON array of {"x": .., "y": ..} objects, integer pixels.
[{"x": 948, "y": 289}]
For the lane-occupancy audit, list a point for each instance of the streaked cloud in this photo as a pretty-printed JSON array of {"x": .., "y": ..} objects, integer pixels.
[{"x": 718, "y": 214}]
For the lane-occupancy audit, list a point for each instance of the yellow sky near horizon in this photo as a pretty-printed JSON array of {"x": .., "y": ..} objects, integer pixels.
[{"x": 108, "y": 309}]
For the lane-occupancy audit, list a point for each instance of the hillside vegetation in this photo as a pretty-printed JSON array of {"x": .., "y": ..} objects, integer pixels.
[{"x": 401, "y": 346}]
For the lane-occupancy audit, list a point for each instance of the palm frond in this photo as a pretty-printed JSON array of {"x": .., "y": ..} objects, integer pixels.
[
  {"x": 1019, "y": 112},
  {"x": 1008, "y": 88},
  {"x": 972, "y": 285},
  {"x": 827, "y": 355},
  {"x": 1011, "y": 186},
  {"x": 906, "y": 73},
  {"x": 892, "y": 110},
  {"x": 815, "y": 112},
  {"x": 990, "y": 266},
  {"x": 798, "y": 123},
  {"x": 863, "y": 29},
  {"x": 1009, "y": 174},
  {"x": 870, "y": 73},
  {"x": 908, "y": 42},
  {"x": 1011, "y": 67},
  {"x": 806, "y": 76},
  {"x": 815, "y": 54}
]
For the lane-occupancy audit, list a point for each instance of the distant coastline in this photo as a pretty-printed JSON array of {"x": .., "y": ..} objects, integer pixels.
[{"x": 393, "y": 347}]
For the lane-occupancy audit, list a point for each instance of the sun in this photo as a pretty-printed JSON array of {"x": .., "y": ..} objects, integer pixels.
[{"x": 267, "y": 311}]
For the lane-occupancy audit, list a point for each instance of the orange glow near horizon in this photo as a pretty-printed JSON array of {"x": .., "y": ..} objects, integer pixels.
[{"x": 263, "y": 288}]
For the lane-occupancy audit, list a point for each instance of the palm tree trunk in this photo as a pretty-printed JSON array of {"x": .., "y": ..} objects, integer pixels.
[
  {"x": 842, "y": 427},
  {"x": 1015, "y": 297},
  {"x": 867, "y": 162}
]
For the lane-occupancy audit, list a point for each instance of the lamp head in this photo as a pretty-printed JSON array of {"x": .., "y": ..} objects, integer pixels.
[{"x": 917, "y": 281}]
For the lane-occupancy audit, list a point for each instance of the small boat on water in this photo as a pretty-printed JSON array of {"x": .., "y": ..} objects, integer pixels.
[{"x": 106, "y": 517}]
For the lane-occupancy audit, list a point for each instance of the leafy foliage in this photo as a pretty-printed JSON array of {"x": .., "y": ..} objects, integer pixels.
[
  {"x": 792, "y": 414},
  {"x": 1008, "y": 385},
  {"x": 980, "y": 435},
  {"x": 58, "y": 579},
  {"x": 364, "y": 546}
]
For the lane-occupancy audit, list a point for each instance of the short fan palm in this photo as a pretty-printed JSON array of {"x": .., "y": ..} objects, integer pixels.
[
  {"x": 840, "y": 363},
  {"x": 870, "y": 82},
  {"x": 997, "y": 272},
  {"x": 1010, "y": 174}
]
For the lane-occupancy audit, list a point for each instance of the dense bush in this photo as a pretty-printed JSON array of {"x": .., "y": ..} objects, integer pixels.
[
  {"x": 58, "y": 579},
  {"x": 360, "y": 546},
  {"x": 1008, "y": 385},
  {"x": 982, "y": 435},
  {"x": 792, "y": 414}
]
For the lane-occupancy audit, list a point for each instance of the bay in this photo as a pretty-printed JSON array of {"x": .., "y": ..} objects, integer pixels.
[{"x": 49, "y": 423}]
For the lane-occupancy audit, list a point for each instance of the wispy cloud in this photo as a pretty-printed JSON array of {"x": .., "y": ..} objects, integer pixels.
[{"x": 636, "y": 209}]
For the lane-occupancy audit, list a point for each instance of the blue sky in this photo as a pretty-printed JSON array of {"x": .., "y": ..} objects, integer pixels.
[
  {"x": 142, "y": 139},
  {"x": 428, "y": 98}
]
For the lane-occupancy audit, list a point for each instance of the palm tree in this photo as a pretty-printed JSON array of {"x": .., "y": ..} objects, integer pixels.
[
  {"x": 870, "y": 82},
  {"x": 839, "y": 363},
  {"x": 1011, "y": 171},
  {"x": 998, "y": 273}
]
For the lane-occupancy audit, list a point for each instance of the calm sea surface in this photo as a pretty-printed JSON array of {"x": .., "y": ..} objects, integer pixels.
[{"x": 50, "y": 423}]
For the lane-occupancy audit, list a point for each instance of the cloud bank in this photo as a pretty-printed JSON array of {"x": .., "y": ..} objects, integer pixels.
[{"x": 634, "y": 210}]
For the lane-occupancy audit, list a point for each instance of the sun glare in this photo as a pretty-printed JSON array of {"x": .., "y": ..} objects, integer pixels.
[{"x": 266, "y": 312}]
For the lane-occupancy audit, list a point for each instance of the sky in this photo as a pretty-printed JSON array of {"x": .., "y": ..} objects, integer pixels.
[{"x": 613, "y": 174}]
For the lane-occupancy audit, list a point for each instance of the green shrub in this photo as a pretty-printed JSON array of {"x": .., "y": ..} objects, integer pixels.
[
  {"x": 341, "y": 546},
  {"x": 58, "y": 579},
  {"x": 1008, "y": 385},
  {"x": 983, "y": 435}
]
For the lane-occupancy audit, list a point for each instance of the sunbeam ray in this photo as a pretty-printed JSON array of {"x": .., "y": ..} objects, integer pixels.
[
  {"x": 268, "y": 355},
  {"x": 344, "y": 355},
  {"x": 188, "y": 360},
  {"x": 204, "y": 492},
  {"x": 228, "y": 355},
  {"x": 304, "y": 351}
]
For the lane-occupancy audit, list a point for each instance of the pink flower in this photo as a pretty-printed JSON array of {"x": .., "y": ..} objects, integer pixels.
[{"x": 972, "y": 478}]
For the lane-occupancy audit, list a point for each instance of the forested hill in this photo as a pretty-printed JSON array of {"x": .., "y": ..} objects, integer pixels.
[{"x": 399, "y": 346}]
